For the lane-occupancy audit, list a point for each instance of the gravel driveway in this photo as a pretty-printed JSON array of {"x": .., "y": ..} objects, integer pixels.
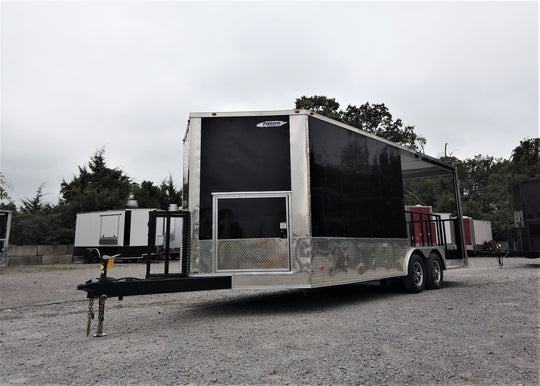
[{"x": 481, "y": 328}]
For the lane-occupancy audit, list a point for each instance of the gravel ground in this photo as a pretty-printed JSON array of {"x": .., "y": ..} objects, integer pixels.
[{"x": 481, "y": 328}]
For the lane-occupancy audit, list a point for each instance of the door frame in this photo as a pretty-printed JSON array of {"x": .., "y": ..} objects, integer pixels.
[{"x": 232, "y": 195}]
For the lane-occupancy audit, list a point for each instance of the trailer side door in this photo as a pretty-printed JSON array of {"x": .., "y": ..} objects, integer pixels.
[{"x": 251, "y": 231}]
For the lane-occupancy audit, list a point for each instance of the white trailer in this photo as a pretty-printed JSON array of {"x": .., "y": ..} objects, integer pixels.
[
  {"x": 449, "y": 231},
  {"x": 482, "y": 233},
  {"x": 122, "y": 232},
  {"x": 5, "y": 225}
]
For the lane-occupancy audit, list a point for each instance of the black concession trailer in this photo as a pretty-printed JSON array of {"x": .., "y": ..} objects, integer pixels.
[{"x": 293, "y": 199}]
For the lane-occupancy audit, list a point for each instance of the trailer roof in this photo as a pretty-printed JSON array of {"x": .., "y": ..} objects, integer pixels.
[{"x": 413, "y": 163}]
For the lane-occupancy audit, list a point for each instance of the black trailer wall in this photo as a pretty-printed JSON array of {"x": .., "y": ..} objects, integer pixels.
[
  {"x": 239, "y": 156},
  {"x": 526, "y": 202},
  {"x": 3, "y": 224},
  {"x": 4, "y": 216},
  {"x": 356, "y": 184}
]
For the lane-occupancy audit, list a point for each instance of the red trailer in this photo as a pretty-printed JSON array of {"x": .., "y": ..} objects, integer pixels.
[
  {"x": 468, "y": 231},
  {"x": 422, "y": 227}
]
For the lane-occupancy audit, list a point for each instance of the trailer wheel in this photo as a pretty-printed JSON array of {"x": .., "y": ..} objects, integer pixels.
[
  {"x": 415, "y": 280},
  {"x": 434, "y": 272}
]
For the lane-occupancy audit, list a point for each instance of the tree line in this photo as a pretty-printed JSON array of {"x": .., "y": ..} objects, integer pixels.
[
  {"x": 95, "y": 187},
  {"x": 485, "y": 182}
]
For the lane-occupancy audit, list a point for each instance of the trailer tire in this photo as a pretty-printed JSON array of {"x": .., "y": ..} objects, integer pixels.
[
  {"x": 415, "y": 280},
  {"x": 434, "y": 272}
]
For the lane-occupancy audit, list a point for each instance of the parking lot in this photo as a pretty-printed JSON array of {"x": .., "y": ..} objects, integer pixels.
[{"x": 481, "y": 328}]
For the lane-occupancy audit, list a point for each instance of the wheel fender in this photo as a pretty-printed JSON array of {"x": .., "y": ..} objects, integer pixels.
[{"x": 408, "y": 255}]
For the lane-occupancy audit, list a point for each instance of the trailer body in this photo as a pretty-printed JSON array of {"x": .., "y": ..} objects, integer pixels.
[
  {"x": 122, "y": 232},
  {"x": 477, "y": 233},
  {"x": 295, "y": 199},
  {"x": 449, "y": 232},
  {"x": 482, "y": 233},
  {"x": 421, "y": 230},
  {"x": 524, "y": 239},
  {"x": 468, "y": 229},
  {"x": 5, "y": 225}
]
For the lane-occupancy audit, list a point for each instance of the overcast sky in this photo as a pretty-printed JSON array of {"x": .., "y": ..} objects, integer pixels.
[{"x": 78, "y": 76}]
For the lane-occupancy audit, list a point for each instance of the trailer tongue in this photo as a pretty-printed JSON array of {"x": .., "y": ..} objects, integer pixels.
[
  {"x": 106, "y": 287},
  {"x": 167, "y": 283}
]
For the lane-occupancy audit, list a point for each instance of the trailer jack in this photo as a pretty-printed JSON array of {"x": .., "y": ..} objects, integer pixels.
[{"x": 105, "y": 262}]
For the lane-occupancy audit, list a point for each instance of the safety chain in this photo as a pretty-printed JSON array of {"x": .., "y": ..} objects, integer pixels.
[
  {"x": 90, "y": 315},
  {"x": 101, "y": 316}
]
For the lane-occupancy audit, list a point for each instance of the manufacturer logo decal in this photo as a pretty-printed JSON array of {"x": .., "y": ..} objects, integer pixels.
[{"x": 271, "y": 124}]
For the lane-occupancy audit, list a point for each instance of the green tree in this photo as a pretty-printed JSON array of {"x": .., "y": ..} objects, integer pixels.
[
  {"x": 525, "y": 160},
  {"x": 484, "y": 190},
  {"x": 4, "y": 195},
  {"x": 373, "y": 118},
  {"x": 474, "y": 175},
  {"x": 321, "y": 105},
  {"x": 97, "y": 187},
  {"x": 523, "y": 165},
  {"x": 38, "y": 222},
  {"x": 149, "y": 195},
  {"x": 170, "y": 195},
  {"x": 486, "y": 183},
  {"x": 496, "y": 199},
  {"x": 437, "y": 192},
  {"x": 35, "y": 204},
  {"x": 376, "y": 119}
]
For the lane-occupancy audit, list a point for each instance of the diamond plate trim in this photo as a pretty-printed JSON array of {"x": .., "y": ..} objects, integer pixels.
[{"x": 252, "y": 255}]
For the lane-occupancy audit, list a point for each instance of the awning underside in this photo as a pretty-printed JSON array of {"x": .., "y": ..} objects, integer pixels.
[{"x": 414, "y": 166}]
